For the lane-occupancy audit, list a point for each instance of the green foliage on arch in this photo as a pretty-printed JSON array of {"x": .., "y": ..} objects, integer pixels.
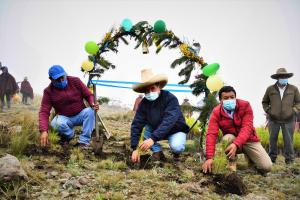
[{"x": 144, "y": 35}]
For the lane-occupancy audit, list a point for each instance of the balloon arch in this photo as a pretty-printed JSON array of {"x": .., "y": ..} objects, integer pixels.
[{"x": 146, "y": 35}]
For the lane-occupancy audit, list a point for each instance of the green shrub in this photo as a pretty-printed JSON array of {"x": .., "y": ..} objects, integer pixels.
[
  {"x": 190, "y": 121},
  {"x": 263, "y": 135},
  {"x": 297, "y": 141}
]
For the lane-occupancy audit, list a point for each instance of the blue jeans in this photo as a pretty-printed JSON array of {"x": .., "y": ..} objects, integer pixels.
[
  {"x": 176, "y": 141},
  {"x": 64, "y": 125}
]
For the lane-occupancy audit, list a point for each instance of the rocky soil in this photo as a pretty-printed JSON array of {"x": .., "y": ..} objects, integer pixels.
[{"x": 71, "y": 173}]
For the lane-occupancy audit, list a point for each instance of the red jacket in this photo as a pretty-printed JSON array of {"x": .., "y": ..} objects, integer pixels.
[
  {"x": 67, "y": 101},
  {"x": 241, "y": 126}
]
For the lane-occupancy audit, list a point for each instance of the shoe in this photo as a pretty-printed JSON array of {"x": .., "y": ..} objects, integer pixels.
[
  {"x": 158, "y": 156},
  {"x": 176, "y": 157},
  {"x": 82, "y": 146}
]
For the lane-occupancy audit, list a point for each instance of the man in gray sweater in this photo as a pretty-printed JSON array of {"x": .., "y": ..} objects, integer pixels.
[{"x": 282, "y": 103}]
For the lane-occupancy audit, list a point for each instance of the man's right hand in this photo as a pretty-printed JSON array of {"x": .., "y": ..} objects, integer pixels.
[
  {"x": 207, "y": 166},
  {"x": 44, "y": 138},
  {"x": 135, "y": 157}
]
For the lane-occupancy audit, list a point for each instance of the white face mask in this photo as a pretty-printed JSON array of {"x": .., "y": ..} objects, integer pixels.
[{"x": 151, "y": 96}]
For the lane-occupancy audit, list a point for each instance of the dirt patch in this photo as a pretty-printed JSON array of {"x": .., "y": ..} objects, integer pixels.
[
  {"x": 34, "y": 150},
  {"x": 229, "y": 183}
]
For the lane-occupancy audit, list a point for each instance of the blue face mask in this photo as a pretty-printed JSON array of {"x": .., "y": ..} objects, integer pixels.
[
  {"x": 282, "y": 81},
  {"x": 229, "y": 104},
  {"x": 60, "y": 85},
  {"x": 151, "y": 96}
]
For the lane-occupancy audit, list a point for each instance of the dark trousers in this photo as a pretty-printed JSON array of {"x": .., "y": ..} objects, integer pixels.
[
  {"x": 7, "y": 95},
  {"x": 24, "y": 98},
  {"x": 287, "y": 133}
]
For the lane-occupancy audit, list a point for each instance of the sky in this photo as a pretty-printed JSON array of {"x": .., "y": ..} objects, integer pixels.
[{"x": 250, "y": 39}]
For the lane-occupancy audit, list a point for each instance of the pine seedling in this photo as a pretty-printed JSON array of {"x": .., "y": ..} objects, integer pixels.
[{"x": 220, "y": 159}]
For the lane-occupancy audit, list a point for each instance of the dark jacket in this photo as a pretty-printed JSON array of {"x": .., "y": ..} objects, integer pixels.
[
  {"x": 241, "y": 126},
  {"x": 8, "y": 84},
  {"x": 26, "y": 88},
  {"x": 163, "y": 115},
  {"x": 285, "y": 110}
]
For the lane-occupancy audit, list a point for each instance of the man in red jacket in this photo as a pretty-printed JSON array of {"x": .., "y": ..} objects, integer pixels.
[
  {"x": 65, "y": 94},
  {"x": 235, "y": 119}
]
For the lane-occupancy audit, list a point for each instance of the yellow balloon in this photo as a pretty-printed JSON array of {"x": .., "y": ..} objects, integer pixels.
[
  {"x": 87, "y": 65},
  {"x": 214, "y": 83}
]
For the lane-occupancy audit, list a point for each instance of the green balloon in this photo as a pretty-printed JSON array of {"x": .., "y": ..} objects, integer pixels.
[
  {"x": 91, "y": 47},
  {"x": 159, "y": 26},
  {"x": 210, "y": 69}
]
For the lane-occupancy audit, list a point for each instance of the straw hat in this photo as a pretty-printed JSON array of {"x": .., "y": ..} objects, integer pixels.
[
  {"x": 149, "y": 78},
  {"x": 282, "y": 73}
]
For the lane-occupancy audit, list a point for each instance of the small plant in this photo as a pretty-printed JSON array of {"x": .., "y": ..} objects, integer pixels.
[
  {"x": 111, "y": 165},
  {"x": 141, "y": 140},
  {"x": 77, "y": 157},
  {"x": 53, "y": 136},
  {"x": 220, "y": 159}
]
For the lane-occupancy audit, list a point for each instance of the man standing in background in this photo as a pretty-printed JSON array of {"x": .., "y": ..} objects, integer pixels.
[
  {"x": 8, "y": 87},
  {"x": 282, "y": 103},
  {"x": 26, "y": 90}
]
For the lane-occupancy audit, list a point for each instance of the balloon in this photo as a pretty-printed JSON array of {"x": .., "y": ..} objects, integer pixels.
[
  {"x": 159, "y": 26},
  {"x": 91, "y": 47},
  {"x": 87, "y": 65},
  {"x": 210, "y": 69},
  {"x": 127, "y": 24},
  {"x": 214, "y": 83}
]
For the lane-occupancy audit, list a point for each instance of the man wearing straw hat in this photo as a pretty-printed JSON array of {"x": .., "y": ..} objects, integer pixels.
[
  {"x": 282, "y": 103},
  {"x": 159, "y": 112}
]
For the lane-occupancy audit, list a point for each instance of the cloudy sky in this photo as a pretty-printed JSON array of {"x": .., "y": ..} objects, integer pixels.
[{"x": 249, "y": 38}]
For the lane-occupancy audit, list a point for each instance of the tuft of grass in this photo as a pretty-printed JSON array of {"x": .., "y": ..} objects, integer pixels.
[
  {"x": 111, "y": 165},
  {"x": 28, "y": 135},
  {"x": 16, "y": 189},
  {"x": 111, "y": 179},
  {"x": 77, "y": 157},
  {"x": 220, "y": 160},
  {"x": 53, "y": 137}
]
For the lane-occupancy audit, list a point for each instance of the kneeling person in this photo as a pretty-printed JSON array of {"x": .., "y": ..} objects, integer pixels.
[
  {"x": 235, "y": 119},
  {"x": 159, "y": 112},
  {"x": 65, "y": 94}
]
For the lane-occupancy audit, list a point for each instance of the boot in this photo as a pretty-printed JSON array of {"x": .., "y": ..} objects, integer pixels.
[{"x": 176, "y": 157}]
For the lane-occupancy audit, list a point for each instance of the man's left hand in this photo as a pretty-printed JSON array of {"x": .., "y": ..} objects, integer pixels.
[
  {"x": 231, "y": 150},
  {"x": 95, "y": 106},
  {"x": 147, "y": 144}
]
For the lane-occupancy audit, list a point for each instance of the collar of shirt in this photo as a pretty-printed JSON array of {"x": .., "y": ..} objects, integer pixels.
[
  {"x": 281, "y": 91},
  {"x": 229, "y": 113}
]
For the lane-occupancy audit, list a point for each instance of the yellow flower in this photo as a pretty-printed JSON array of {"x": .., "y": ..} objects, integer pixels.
[
  {"x": 184, "y": 48},
  {"x": 107, "y": 36}
]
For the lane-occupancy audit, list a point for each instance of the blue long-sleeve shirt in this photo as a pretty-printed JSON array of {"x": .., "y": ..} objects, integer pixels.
[{"x": 163, "y": 115}]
